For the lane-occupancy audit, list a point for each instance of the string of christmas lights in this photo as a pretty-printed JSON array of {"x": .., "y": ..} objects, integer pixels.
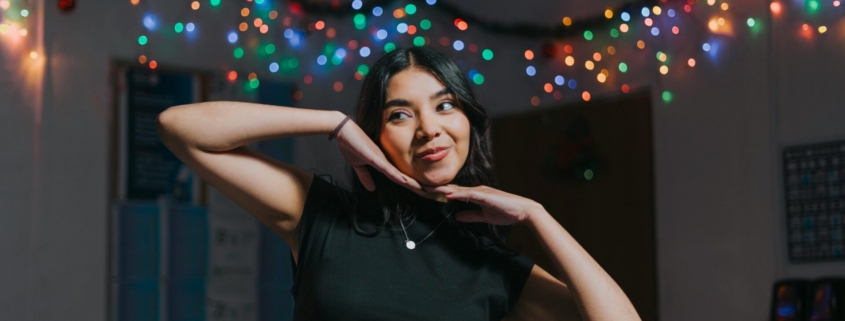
[
  {"x": 611, "y": 39},
  {"x": 14, "y": 22}
]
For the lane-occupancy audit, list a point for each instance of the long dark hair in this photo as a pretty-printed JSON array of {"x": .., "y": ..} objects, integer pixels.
[{"x": 391, "y": 202}]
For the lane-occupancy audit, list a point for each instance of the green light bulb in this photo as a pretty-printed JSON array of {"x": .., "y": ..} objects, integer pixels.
[
  {"x": 363, "y": 69},
  {"x": 813, "y": 6},
  {"x": 588, "y": 174},
  {"x": 411, "y": 9},
  {"x": 667, "y": 96},
  {"x": 478, "y": 79},
  {"x": 329, "y": 48}
]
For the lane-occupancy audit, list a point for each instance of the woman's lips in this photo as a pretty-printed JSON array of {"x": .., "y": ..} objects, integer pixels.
[{"x": 436, "y": 156}]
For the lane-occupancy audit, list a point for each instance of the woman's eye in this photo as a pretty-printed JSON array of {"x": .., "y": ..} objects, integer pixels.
[
  {"x": 393, "y": 115},
  {"x": 449, "y": 103}
]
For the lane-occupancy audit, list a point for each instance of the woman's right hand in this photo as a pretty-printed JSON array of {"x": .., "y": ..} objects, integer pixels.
[{"x": 360, "y": 151}]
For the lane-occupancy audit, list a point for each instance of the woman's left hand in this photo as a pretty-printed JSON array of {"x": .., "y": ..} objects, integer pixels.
[{"x": 497, "y": 207}]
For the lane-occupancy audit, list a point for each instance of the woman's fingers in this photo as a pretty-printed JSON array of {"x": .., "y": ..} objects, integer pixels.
[
  {"x": 360, "y": 151},
  {"x": 394, "y": 174},
  {"x": 469, "y": 194}
]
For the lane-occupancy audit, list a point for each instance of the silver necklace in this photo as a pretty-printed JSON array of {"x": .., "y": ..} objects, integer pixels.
[{"x": 411, "y": 244}]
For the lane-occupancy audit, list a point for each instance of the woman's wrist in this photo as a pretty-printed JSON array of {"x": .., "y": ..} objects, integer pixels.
[
  {"x": 536, "y": 217},
  {"x": 332, "y": 120},
  {"x": 336, "y": 130}
]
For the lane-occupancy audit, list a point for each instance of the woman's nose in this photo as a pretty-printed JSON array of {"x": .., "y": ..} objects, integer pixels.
[{"x": 429, "y": 127}]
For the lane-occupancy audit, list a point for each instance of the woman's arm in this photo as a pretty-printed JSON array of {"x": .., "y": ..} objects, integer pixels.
[
  {"x": 212, "y": 138},
  {"x": 218, "y": 126},
  {"x": 596, "y": 295}
]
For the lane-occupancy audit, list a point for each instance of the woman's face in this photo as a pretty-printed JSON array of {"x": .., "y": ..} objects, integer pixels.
[{"x": 422, "y": 114}]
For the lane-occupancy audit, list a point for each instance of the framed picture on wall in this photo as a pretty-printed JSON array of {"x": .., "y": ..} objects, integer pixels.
[
  {"x": 815, "y": 201},
  {"x": 144, "y": 169}
]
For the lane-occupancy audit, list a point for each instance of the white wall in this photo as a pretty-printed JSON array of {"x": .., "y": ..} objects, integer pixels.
[{"x": 721, "y": 239}]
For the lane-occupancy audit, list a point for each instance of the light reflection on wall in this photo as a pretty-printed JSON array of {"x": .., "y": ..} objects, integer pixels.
[{"x": 22, "y": 63}]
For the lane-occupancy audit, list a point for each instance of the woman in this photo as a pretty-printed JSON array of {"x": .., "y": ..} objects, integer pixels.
[{"x": 420, "y": 235}]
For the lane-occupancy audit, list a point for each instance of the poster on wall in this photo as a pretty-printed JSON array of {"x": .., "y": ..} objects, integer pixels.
[
  {"x": 233, "y": 261},
  {"x": 147, "y": 169},
  {"x": 815, "y": 201}
]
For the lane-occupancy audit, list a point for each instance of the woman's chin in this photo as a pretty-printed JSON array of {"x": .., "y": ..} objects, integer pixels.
[{"x": 435, "y": 179}]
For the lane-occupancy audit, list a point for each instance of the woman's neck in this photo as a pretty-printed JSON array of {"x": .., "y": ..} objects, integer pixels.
[{"x": 440, "y": 197}]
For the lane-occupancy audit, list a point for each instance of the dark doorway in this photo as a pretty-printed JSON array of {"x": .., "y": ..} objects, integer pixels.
[{"x": 590, "y": 165}]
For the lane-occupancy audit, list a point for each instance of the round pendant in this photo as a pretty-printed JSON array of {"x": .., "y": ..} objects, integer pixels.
[{"x": 410, "y": 244}]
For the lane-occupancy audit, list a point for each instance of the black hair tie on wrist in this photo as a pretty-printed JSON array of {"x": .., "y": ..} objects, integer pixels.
[{"x": 337, "y": 129}]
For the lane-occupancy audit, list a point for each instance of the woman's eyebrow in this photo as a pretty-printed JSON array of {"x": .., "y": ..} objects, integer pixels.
[
  {"x": 397, "y": 102},
  {"x": 404, "y": 103},
  {"x": 442, "y": 92}
]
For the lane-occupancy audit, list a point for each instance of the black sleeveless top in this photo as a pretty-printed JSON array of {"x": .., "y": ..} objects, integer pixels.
[{"x": 346, "y": 276}]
